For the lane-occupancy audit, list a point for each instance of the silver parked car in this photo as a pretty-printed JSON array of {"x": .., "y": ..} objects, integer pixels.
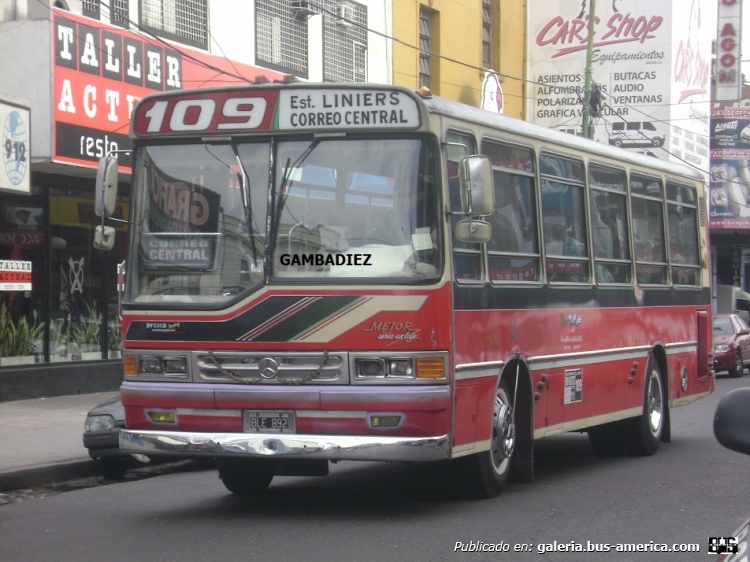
[{"x": 101, "y": 438}]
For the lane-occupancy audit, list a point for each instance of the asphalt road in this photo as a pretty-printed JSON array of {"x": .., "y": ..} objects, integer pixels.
[{"x": 692, "y": 489}]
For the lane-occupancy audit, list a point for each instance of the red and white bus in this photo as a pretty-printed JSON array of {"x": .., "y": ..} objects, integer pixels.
[{"x": 365, "y": 272}]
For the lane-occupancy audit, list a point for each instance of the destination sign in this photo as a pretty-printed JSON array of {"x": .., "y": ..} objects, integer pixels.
[
  {"x": 246, "y": 110},
  {"x": 346, "y": 109}
]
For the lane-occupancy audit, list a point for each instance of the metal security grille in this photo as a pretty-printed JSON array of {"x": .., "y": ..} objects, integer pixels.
[
  {"x": 344, "y": 41},
  {"x": 181, "y": 20},
  {"x": 120, "y": 15},
  {"x": 281, "y": 34},
  {"x": 486, "y": 34},
  {"x": 90, "y": 8},
  {"x": 425, "y": 47}
]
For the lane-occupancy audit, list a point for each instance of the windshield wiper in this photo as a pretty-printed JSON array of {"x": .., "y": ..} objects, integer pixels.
[
  {"x": 244, "y": 180},
  {"x": 278, "y": 206}
]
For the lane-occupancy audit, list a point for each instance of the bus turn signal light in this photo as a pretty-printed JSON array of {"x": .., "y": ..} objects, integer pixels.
[
  {"x": 128, "y": 363},
  {"x": 430, "y": 368}
]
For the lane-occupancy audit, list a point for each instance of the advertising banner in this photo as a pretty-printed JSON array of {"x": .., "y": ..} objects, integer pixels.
[
  {"x": 730, "y": 168},
  {"x": 15, "y": 175},
  {"x": 651, "y": 66},
  {"x": 100, "y": 73}
]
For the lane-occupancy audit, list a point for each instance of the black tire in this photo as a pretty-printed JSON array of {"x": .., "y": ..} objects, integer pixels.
[
  {"x": 245, "y": 477},
  {"x": 736, "y": 371},
  {"x": 114, "y": 468},
  {"x": 657, "y": 142},
  {"x": 643, "y": 434},
  {"x": 618, "y": 142},
  {"x": 484, "y": 474}
]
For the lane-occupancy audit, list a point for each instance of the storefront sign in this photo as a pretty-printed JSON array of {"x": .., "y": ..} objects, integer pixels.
[
  {"x": 728, "y": 59},
  {"x": 651, "y": 62},
  {"x": 15, "y": 275},
  {"x": 15, "y": 123},
  {"x": 730, "y": 176},
  {"x": 79, "y": 213},
  {"x": 101, "y": 72}
]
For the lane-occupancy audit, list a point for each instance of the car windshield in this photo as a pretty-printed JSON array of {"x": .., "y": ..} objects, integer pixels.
[
  {"x": 722, "y": 327},
  {"x": 339, "y": 209}
]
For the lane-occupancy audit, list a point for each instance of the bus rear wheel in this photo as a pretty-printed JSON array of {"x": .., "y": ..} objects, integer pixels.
[
  {"x": 485, "y": 473},
  {"x": 245, "y": 477},
  {"x": 643, "y": 434}
]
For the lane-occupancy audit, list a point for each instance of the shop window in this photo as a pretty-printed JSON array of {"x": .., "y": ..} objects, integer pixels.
[
  {"x": 83, "y": 296},
  {"x": 22, "y": 280}
]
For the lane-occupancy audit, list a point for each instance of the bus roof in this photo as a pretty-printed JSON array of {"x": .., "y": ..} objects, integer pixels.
[
  {"x": 318, "y": 107},
  {"x": 564, "y": 140}
]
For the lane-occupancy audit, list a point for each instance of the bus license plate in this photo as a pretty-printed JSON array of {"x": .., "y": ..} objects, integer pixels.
[{"x": 254, "y": 421}]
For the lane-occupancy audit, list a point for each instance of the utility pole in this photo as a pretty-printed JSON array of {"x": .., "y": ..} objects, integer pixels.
[{"x": 588, "y": 131}]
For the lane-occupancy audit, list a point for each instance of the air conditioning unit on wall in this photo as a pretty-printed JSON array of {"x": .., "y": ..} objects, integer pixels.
[
  {"x": 302, "y": 8},
  {"x": 345, "y": 13}
]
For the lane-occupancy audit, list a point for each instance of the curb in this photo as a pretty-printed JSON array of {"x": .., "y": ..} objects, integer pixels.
[{"x": 50, "y": 474}]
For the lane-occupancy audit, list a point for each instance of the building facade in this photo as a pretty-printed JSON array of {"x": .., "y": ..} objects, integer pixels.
[
  {"x": 72, "y": 72},
  {"x": 471, "y": 52}
]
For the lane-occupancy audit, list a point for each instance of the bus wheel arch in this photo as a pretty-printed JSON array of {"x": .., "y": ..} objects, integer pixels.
[
  {"x": 645, "y": 432},
  {"x": 510, "y": 452},
  {"x": 522, "y": 467}
]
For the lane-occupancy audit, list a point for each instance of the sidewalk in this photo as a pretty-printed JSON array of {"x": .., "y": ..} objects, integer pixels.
[{"x": 41, "y": 440}]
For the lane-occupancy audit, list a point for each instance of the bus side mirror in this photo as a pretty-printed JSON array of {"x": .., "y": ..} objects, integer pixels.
[
  {"x": 104, "y": 238},
  {"x": 477, "y": 188},
  {"x": 472, "y": 230},
  {"x": 106, "y": 187}
]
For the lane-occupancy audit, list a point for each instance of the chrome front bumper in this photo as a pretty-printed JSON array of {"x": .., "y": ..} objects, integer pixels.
[{"x": 266, "y": 445}]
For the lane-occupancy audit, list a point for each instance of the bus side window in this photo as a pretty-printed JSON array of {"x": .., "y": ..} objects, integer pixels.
[
  {"x": 648, "y": 230},
  {"x": 564, "y": 220},
  {"x": 682, "y": 221},
  {"x": 467, "y": 257},
  {"x": 513, "y": 251},
  {"x": 609, "y": 225}
]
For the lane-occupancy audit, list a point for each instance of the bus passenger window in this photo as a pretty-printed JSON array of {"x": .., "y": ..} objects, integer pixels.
[
  {"x": 648, "y": 230},
  {"x": 514, "y": 247},
  {"x": 609, "y": 225},
  {"x": 564, "y": 220},
  {"x": 683, "y": 234},
  {"x": 467, "y": 257}
]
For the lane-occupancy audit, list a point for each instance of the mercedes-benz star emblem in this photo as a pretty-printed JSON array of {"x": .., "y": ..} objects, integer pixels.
[{"x": 269, "y": 368}]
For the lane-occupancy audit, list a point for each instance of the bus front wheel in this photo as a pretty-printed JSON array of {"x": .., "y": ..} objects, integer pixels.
[
  {"x": 486, "y": 473},
  {"x": 245, "y": 477}
]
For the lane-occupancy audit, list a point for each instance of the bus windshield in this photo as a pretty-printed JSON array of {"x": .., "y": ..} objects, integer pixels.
[{"x": 339, "y": 209}]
